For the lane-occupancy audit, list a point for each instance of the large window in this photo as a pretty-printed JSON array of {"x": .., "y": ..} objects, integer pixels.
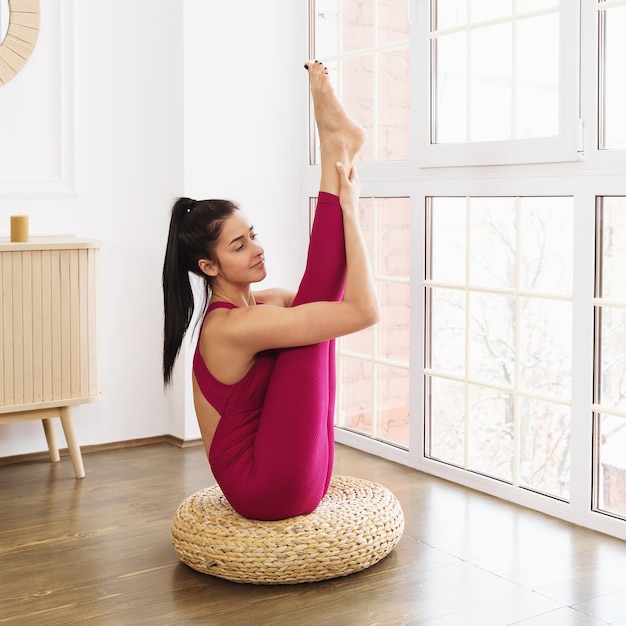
[{"x": 494, "y": 203}]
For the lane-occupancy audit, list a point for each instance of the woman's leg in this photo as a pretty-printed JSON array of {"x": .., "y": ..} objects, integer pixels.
[
  {"x": 294, "y": 443},
  {"x": 340, "y": 139},
  {"x": 291, "y": 463}
]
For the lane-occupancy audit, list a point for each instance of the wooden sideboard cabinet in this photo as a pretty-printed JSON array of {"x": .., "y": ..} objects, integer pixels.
[{"x": 48, "y": 334}]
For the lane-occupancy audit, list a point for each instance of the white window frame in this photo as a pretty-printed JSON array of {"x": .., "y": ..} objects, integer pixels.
[{"x": 567, "y": 145}]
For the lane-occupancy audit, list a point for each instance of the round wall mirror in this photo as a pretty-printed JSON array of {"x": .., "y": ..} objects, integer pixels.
[{"x": 19, "y": 30}]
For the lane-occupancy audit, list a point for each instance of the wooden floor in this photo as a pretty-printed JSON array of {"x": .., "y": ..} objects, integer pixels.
[{"x": 97, "y": 551}]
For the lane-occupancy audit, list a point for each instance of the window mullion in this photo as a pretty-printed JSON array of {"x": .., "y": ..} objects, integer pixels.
[
  {"x": 517, "y": 427},
  {"x": 468, "y": 322},
  {"x": 582, "y": 353}
]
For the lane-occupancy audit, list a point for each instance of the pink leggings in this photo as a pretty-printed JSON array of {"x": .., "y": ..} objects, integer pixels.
[{"x": 288, "y": 469}]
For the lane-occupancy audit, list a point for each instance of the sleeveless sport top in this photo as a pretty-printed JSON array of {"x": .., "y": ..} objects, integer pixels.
[{"x": 246, "y": 394}]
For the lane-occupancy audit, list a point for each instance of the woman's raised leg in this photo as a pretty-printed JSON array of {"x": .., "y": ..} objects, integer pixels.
[
  {"x": 294, "y": 444},
  {"x": 340, "y": 140}
]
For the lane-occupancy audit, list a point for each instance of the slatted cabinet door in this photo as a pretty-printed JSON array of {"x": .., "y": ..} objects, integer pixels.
[{"x": 47, "y": 324}]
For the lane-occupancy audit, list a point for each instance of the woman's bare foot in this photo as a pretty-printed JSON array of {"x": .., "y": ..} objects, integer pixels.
[{"x": 341, "y": 137}]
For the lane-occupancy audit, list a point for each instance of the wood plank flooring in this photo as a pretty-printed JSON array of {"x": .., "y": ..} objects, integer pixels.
[{"x": 97, "y": 551}]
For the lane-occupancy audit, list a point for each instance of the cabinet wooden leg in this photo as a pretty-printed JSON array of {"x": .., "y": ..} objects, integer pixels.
[
  {"x": 48, "y": 428},
  {"x": 72, "y": 444}
]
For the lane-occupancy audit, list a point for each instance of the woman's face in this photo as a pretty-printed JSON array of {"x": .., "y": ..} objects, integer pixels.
[{"x": 239, "y": 257}]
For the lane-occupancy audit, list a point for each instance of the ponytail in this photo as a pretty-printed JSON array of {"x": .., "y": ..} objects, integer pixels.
[{"x": 194, "y": 229}]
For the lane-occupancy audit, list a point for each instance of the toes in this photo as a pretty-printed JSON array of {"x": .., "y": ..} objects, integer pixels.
[{"x": 308, "y": 65}]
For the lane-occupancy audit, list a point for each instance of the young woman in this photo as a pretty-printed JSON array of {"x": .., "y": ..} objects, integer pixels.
[{"x": 264, "y": 369}]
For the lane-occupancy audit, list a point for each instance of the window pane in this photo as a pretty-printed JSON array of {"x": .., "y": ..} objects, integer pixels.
[
  {"x": 547, "y": 242},
  {"x": 450, "y": 13},
  {"x": 491, "y": 432},
  {"x": 392, "y": 405},
  {"x": 393, "y": 329},
  {"x": 357, "y": 25},
  {"x": 612, "y": 133},
  {"x": 490, "y": 77},
  {"x": 326, "y": 28},
  {"x": 393, "y": 237},
  {"x": 356, "y": 404},
  {"x": 613, "y": 285},
  {"x": 612, "y": 465},
  {"x": 613, "y": 362},
  {"x": 503, "y": 332},
  {"x": 489, "y": 10},
  {"x": 451, "y": 89},
  {"x": 447, "y": 336},
  {"x": 393, "y": 27},
  {"x": 492, "y": 263},
  {"x": 545, "y": 447},
  {"x": 393, "y": 123},
  {"x": 446, "y": 420},
  {"x": 348, "y": 25},
  {"x": 525, "y": 6},
  {"x": 448, "y": 238},
  {"x": 545, "y": 358},
  {"x": 537, "y": 67},
  {"x": 492, "y": 345}
]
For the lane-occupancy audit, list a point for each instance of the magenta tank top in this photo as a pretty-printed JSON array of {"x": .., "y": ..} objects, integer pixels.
[{"x": 246, "y": 394}]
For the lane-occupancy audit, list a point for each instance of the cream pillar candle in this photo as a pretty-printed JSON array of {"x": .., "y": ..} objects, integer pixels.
[{"x": 19, "y": 227}]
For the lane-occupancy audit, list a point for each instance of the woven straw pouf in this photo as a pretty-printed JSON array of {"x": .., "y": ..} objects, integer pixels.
[{"x": 356, "y": 525}]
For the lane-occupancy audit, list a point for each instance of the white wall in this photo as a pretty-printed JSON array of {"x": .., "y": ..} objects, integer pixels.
[
  {"x": 246, "y": 118},
  {"x": 123, "y": 107}
]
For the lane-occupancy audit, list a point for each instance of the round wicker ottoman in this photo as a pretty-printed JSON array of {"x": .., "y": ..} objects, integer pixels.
[{"x": 356, "y": 525}]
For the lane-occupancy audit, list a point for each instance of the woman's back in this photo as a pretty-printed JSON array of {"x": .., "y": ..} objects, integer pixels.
[{"x": 246, "y": 394}]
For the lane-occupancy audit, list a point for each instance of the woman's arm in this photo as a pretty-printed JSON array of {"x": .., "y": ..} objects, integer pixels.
[
  {"x": 253, "y": 329},
  {"x": 360, "y": 292}
]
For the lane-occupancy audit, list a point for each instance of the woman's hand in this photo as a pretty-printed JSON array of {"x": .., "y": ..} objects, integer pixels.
[{"x": 349, "y": 188}]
